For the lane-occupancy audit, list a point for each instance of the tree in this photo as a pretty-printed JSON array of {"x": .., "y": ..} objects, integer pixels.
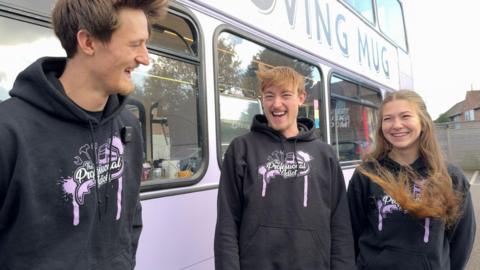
[
  {"x": 443, "y": 118},
  {"x": 229, "y": 66}
]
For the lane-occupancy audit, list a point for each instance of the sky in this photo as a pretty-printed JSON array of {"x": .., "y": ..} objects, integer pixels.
[{"x": 444, "y": 43}]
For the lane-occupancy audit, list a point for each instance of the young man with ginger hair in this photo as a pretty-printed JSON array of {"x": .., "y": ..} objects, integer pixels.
[{"x": 282, "y": 201}]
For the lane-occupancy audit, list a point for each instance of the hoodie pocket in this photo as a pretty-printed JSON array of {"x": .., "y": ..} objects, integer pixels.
[
  {"x": 397, "y": 259},
  {"x": 279, "y": 247},
  {"x": 119, "y": 261}
]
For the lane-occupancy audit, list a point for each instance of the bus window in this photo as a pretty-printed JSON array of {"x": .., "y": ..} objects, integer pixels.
[
  {"x": 168, "y": 91},
  {"x": 237, "y": 117},
  {"x": 21, "y": 44},
  {"x": 138, "y": 110},
  {"x": 174, "y": 34},
  {"x": 390, "y": 20},
  {"x": 368, "y": 96},
  {"x": 364, "y": 8},
  {"x": 238, "y": 59},
  {"x": 353, "y": 117}
]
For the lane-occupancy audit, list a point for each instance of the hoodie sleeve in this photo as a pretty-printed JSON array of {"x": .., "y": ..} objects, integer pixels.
[
  {"x": 342, "y": 251},
  {"x": 136, "y": 229},
  {"x": 462, "y": 235},
  {"x": 358, "y": 211},
  {"x": 229, "y": 212}
]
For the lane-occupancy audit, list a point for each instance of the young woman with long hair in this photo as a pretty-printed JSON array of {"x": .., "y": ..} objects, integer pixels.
[{"x": 410, "y": 209}]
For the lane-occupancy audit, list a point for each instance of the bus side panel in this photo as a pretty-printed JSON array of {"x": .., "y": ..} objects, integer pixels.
[{"x": 178, "y": 232}]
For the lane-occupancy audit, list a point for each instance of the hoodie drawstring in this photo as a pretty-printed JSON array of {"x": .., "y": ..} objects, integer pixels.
[
  {"x": 284, "y": 150},
  {"x": 305, "y": 177},
  {"x": 108, "y": 184},
  {"x": 94, "y": 146},
  {"x": 95, "y": 166},
  {"x": 295, "y": 156}
]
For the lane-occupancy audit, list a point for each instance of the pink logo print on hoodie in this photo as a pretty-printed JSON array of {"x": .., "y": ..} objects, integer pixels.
[
  {"x": 292, "y": 166},
  {"x": 78, "y": 186}
]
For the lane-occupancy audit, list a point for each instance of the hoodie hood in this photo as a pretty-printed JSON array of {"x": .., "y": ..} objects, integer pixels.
[
  {"x": 305, "y": 127},
  {"x": 39, "y": 86},
  {"x": 418, "y": 165}
]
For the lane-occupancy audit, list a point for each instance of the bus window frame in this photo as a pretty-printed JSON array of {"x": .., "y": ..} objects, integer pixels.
[
  {"x": 202, "y": 128},
  {"x": 141, "y": 115},
  {"x": 252, "y": 37},
  {"x": 386, "y": 36},
  {"x": 359, "y": 15},
  {"x": 332, "y": 96},
  {"x": 376, "y": 26}
]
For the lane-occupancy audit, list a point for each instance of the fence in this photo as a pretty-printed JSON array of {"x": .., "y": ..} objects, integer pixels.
[{"x": 460, "y": 142}]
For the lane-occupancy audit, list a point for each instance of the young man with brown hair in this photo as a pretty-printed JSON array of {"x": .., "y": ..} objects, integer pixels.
[
  {"x": 282, "y": 200},
  {"x": 71, "y": 153}
]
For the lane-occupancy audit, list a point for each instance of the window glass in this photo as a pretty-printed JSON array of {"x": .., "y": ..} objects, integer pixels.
[
  {"x": 21, "y": 44},
  {"x": 176, "y": 34},
  {"x": 237, "y": 116},
  {"x": 365, "y": 8},
  {"x": 456, "y": 120},
  {"x": 469, "y": 115},
  {"x": 369, "y": 96},
  {"x": 390, "y": 20},
  {"x": 352, "y": 122},
  {"x": 168, "y": 91},
  {"x": 238, "y": 59},
  {"x": 43, "y": 7},
  {"x": 343, "y": 88}
]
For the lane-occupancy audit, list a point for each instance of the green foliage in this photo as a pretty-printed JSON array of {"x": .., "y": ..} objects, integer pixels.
[{"x": 443, "y": 118}]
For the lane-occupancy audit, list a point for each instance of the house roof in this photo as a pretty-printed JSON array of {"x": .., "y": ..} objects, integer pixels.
[
  {"x": 455, "y": 109},
  {"x": 472, "y": 100}
]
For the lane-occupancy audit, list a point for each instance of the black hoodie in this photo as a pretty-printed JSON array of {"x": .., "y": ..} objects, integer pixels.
[
  {"x": 282, "y": 203},
  {"x": 386, "y": 237},
  {"x": 69, "y": 184}
]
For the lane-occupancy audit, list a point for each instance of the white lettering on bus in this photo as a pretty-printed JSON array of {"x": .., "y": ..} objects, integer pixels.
[{"x": 370, "y": 53}]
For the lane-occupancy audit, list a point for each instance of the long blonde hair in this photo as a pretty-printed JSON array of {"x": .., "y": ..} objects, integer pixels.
[{"x": 437, "y": 198}]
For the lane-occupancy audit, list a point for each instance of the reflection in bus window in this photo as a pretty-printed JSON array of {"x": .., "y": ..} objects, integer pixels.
[
  {"x": 175, "y": 34},
  {"x": 21, "y": 44},
  {"x": 390, "y": 20},
  {"x": 353, "y": 118},
  {"x": 237, "y": 117},
  {"x": 168, "y": 90},
  {"x": 368, "y": 96},
  {"x": 138, "y": 110},
  {"x": 363, "y": 7},
  {"x": 238, "y": 60}
]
